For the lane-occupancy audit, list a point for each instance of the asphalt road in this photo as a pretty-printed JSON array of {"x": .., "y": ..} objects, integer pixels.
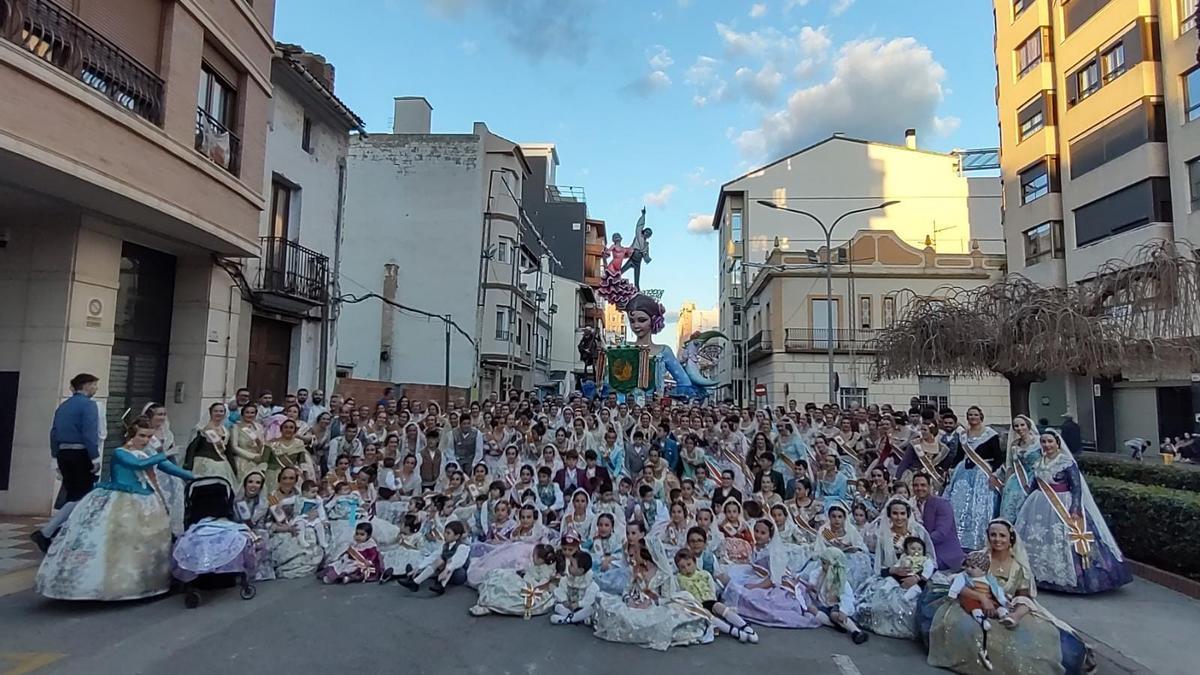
[{"x": 302, "y": 626}]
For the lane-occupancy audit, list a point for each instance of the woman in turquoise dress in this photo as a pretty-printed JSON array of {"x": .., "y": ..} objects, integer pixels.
[
  {"x": 117, "y": 543},
  {"x": 1030, "y": 640},
  {"x": 1024, "y": 451}
]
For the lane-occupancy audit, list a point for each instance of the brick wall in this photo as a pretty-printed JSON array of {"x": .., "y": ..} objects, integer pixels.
[{"x": 369, "y": 391}]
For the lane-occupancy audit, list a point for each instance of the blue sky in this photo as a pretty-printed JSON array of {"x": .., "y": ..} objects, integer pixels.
[{"x": 657, "y": 102}]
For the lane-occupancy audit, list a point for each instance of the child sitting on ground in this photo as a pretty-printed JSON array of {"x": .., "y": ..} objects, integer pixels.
[
  {"x": 445, "y": 566},
  {"x": 831, "y": 599},
  {"x": 700, "y": 584},
  {"x": 311, "y": 517},
  {"x": 360, "y": 561},
  {"x": 576, "y": 594}
]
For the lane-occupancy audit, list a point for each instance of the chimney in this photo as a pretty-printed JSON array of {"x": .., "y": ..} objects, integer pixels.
[
  {"x": 910, "y": 139},
  {"x": 412, "y": 115},
  {"x": 318, "y": 66}
]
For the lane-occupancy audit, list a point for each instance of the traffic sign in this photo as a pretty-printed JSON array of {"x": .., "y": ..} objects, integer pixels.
[{"x": 760, "y": 390}]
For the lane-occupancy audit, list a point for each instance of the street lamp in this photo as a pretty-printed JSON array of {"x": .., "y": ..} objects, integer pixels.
[{"x": 828, "y": 231}]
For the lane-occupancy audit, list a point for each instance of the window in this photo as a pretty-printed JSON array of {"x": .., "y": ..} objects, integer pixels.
[
  {"x": 1029, "y": 54},
  {"x": 1077, "y": 12},
  {"x": 1114, "y": 61},
  {"x": 502, "y": 324},
  {"x": 520, "y": 329},
  {"x": 306, "y": 139},
  {"x": 1191, "y": 94},
  {"x": 1043, "y": 242},
  {"x": 281, "y": 207},
  {"x": 1087, "y": 80},
  {"x": 849, "y": 396},
  {"x": 1143, "y": 124},
  {"x": 1130, "y": 208},
  {"x": 1035, "y": 182},
  {"x": 1187, "y": 15},
  {"x": 1194, "y": 181},
  {"x": 864, "y": 312},
  {"x": 934, "y": 391},
  {"x": 215, "y": 106},
  {"x": 502, "y": 250},
  {"x": 889, "y": 310},
  {"x": 216, "y": 97},
  {"x": 1032, "y": 117},
  {"x": 735, "y": 225},
  {"x": 1020, "y": 6}
]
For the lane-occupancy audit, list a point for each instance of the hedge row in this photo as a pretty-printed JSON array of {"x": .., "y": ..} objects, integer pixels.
[
  {"x": 1149, "y": 473},
  {"x": 1154, "y": 525}
]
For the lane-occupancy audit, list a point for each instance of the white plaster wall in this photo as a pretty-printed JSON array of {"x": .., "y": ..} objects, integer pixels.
[
  {"x": 313, "y": 212},
  {"x": 415, "y": 201},
  {"x": 564, "y": 354}
]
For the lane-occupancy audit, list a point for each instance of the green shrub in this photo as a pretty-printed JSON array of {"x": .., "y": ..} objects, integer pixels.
[
  {"x": 1150, "y": 473},
  {"x": 1153, "y": 525}
]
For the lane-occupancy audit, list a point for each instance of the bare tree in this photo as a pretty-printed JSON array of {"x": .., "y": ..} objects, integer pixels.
[{"x": 1140, "y": 313}]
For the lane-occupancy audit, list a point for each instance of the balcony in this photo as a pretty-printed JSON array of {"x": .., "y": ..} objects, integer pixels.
[
  {"x": 217, "y": 143},
  {"x": 291, "y": 278},
  {"x": 62, "y": 40},
  {"x": 759, "y": 345},
  {"x": 565, "y": 194},
  {"x": 817, "y": 339}
]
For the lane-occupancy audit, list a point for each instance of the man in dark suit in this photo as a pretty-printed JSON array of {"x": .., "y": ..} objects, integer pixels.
[
  {"x": 724, "y": 491},
  {"x": 937, "y": 515},
  {"x": 571, "y": 476}
]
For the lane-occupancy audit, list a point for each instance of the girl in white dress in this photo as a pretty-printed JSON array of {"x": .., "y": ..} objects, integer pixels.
[
  {"x": 646, "y": 614},
  {"x": 526, "y": 593}
]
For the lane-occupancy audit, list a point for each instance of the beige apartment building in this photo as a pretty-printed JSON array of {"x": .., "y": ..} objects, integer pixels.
[
  {"x": 944, "y": 231},
  {"x": 132, "y": 142},
  {"x": 1099, "y": 153}
]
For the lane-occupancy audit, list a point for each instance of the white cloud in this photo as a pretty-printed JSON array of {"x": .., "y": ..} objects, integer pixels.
[
  {"x": 700, "y": 223},
  {"x": 944, "y": 126},
  {"x": 758, "y": 10},
  {"x": 840, "y": 6},
  {"x": 877, "y": 89},
  {"x": 700, "y": 178},
  {"x": 762, "y": 86},
  {"x": 790, "y": 4},
  {"x": 469, "y": 47},
  {"x": 650, "y": 83},
  {"x": 660, "y": 59},
  {"x": 814, "y": 41},
  {"x": 536, "y": 29},
  {"x": 705, "y": 78},
  {"x": 659, "y": 198}
]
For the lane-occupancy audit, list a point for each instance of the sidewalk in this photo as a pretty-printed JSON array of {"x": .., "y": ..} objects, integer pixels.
[
  {"x": 1149, "y": 625},
  {"x": 16, "y": 550}
]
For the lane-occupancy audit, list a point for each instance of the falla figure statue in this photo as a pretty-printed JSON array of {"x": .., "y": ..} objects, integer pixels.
[{"x": 640, "y": 369}]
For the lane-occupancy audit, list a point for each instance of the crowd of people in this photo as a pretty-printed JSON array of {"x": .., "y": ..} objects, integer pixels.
[{"x": 662, "y": 524}]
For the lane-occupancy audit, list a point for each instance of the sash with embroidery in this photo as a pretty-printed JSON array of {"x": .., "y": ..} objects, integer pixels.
[
  {"x": 982, "y": 464},
  {"x": 361, "y": 562},
  {"x": 927, "y": 463},
  {"x": 802, "y": 523},
  {"x": 1081, "y": 539},
  {"x": 532, "y": 595}
]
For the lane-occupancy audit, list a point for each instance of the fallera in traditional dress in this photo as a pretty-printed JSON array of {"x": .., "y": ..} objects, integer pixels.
[
  {"x": 780, "y": 605},
  {"x": 509, "y": 592},
  {"x": 883, "y": 607},
  {"x": 294, "y": 555},
  {"x": 970, "y": 490},
  {"x": 636, "y": 618},
  {"x": 514, "y": 554},
  {"x": 1079, "y": 558},
  {"x": 1020, "y": 465},
  {"x": 1041, "y": 644},
  {"x": 207, "y": 455},
  {"x": 116, "y": 544}
]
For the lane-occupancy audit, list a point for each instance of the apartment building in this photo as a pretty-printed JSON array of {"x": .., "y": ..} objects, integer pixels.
[
  {"x": 132, "y": 144},
  {"x": 939, "y": 217},
  {"x": 434, "y": 222},
  {"x": 1099, "y": 154}
]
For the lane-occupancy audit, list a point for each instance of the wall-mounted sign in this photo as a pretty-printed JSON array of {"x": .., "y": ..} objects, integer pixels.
[{"x": 95, "y": 312}]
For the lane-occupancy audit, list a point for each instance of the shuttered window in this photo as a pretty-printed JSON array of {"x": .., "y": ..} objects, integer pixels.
[{"x": 133, "y": 25}]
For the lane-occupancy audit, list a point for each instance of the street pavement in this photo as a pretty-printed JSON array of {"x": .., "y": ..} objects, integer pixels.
[{"x": 303, "y": 626}]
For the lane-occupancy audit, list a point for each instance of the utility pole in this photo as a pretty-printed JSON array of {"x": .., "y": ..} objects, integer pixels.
[{"x": 446, "y": 388}]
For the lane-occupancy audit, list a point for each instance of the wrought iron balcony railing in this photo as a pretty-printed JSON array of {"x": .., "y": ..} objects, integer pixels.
[
  {"x": 760, "y": 343},
  {"x": 289, "y": 269},
  {"x": 217, "y": 143},
  {"x": 817, "y": 339},
  {"x": 63, "y": 40}
]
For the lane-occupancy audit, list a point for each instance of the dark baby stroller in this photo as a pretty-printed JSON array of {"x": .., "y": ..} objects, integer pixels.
[{"x": 216, "y": 551}]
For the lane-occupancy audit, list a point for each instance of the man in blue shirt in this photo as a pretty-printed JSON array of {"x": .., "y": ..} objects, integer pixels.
[{"x": 75, "y": 445}]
